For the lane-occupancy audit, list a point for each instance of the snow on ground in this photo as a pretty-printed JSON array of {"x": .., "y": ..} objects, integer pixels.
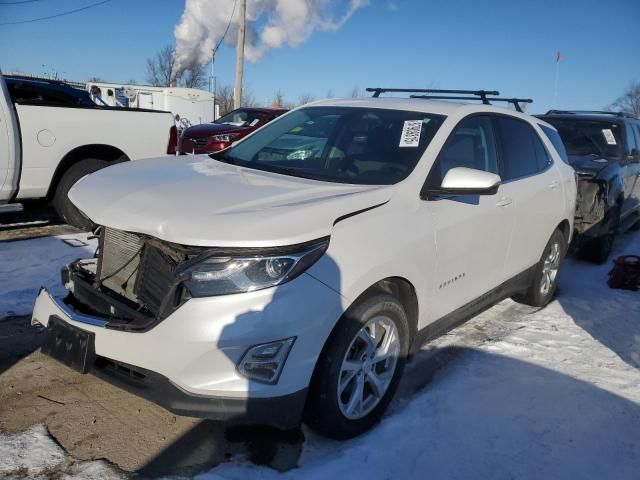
[
  {"x": 556, "y": 396},
  {"x": 33, "y": 454},
  {"x": 24, "y": 270}
]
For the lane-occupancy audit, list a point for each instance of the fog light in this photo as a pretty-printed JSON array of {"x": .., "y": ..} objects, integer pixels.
[{"x": 264, "y": 362}]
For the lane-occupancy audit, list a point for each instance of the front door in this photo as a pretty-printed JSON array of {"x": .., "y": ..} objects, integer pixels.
[{"x": 473, "y": 232}]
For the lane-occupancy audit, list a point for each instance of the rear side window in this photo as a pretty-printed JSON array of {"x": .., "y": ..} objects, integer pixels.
[
  {"x": 42, "y": 93},
  {"x": 631, "y": 139},
  {"x": 636, "y": 127},
  {"x": 471, "y": 145},
  {"x": 554, "y": 138},
  {"x": 522, "y": 152}
]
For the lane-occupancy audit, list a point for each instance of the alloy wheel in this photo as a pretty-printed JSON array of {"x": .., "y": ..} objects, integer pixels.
[
  {"x": 550, "y": 268},
  {"x": 368, "y": 367}
]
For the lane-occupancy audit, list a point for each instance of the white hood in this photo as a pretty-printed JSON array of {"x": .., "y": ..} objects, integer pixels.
[{"x": 203, "y": 202}]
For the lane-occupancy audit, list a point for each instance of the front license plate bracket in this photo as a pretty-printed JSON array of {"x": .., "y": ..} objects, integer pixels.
[{"x": 69, "y": 345}]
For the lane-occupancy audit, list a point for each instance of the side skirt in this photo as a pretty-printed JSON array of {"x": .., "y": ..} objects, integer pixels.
[{"x": 518, "y": 284}]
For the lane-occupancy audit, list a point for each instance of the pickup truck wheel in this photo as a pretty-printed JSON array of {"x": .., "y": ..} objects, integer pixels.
[
  {"x": 359, "y": 368},
  {"x": 545, "y": 277},
  {"x": 599, "y": 249},
  {"x": 61, "y": 202}
]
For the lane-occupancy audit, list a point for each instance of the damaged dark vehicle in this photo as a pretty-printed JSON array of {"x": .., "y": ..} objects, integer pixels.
[{"x": 604, "y": 150}]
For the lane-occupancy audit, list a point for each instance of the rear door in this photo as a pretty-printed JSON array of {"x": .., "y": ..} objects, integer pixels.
[
  {"x": 472, "y": 231},
  {"x": 529, "y": 178}
]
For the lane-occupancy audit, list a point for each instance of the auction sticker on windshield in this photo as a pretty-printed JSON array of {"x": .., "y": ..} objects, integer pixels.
[
  {"x": 411, "y": 133},
  {"x": 608, "y": 136}
]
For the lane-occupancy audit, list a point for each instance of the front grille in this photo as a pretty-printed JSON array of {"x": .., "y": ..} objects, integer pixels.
[
  {"x": 119, "y": 261},
  {"x": 199, "y": 141}
]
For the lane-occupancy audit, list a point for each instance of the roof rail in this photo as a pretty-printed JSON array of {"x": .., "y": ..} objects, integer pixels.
[
  {"x": 480, "y": 93},
  {"x": 596, "y": 112},
  {"x": 514, "y": 101},
  {"x": 459, "y": 95}
]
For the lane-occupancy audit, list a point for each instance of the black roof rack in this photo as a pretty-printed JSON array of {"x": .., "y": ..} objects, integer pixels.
[
  {"x": 588, "y": 112},
  {"x": 453, "y": 95}
]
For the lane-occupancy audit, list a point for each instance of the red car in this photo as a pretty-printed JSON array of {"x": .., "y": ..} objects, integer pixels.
[{"x": 211, "y": 137}]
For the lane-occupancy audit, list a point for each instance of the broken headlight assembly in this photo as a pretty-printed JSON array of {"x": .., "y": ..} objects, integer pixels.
[{"x": 212, "y": 274}]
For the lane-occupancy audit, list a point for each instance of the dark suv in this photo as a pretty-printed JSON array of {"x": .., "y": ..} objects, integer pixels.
[{"x": 604, "y": 150}]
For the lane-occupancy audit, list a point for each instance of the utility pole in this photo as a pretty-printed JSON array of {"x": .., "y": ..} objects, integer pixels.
[{"x": 237, "y": 94}]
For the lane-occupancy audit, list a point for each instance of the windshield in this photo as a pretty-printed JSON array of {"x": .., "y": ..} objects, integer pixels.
[
  {"x": 339, "y": 144},
  {"x": 589, "y": 137},
  {"x": 242, "y": 118}
]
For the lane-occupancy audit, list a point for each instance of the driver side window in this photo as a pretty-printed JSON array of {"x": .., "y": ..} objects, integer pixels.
[{"x": 471, "y": 145}]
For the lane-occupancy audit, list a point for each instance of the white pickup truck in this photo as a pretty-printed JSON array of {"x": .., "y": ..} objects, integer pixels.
[{"x": 51, "y": 135}]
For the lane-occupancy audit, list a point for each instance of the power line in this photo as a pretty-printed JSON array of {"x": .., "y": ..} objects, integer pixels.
[
  {"x": 227, "y": 29},
  {"x": 57, "y": 15}
]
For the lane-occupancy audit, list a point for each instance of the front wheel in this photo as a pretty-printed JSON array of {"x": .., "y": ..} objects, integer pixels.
[
  {"x": 63, "y": 206},
  {"x": 545, "y": 277},
  {"x": 359, "y": 368}
]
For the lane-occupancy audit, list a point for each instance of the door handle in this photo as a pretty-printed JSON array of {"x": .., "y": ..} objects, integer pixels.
[
  {"x": 554, "y": 185},
  {"x": 504, "y": 201}
]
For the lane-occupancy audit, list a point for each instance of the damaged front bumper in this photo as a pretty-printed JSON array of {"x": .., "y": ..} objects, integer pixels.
[
  {"x": 282, "y": 410},
  {"x": 188, "y": 361}
]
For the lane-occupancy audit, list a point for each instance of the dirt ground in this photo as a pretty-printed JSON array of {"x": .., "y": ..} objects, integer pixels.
[{"x": 92, "y": 420}]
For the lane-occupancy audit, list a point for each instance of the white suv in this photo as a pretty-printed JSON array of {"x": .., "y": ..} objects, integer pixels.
[{"x": 288, "y": 277}]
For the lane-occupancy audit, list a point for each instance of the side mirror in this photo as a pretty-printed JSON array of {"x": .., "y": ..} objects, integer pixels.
[
  {"x": 465, "y": 181},
  {"x": 635, "y": 156}
]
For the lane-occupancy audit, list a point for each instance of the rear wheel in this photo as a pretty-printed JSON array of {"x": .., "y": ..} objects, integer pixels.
[
  {"x": 359, "y": 368},
  {"x": 545, "y": 278},
  {"x": 63, "y": 206}
]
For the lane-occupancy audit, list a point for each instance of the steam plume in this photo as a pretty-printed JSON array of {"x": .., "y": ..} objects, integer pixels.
[{"x": 270, "y": 24}]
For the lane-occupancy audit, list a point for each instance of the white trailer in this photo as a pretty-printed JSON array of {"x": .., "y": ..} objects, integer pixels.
[{"x": 189, "y": 106}]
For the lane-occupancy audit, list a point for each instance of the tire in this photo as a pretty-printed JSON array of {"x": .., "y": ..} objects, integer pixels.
[
  {"x": 537, "y": 295},
  {"x": 63, "y": 206},
  {"x": 598, "y": 250},
  {"x": 326, "y": 410}
]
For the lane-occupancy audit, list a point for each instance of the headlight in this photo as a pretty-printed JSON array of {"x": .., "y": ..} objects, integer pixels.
[
  {"x": 226, "y": 137},
  {"x": 212, "y": 274}
]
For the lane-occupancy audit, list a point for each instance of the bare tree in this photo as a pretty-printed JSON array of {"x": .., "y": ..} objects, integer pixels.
[
  {"x": 355, "y": 92},
  {"x": 160, "y": 71},
  {"x": 329, "y": 93},
  {"x": 629, "y": 102},
  {"x": 96, "y": 79},
  {"x": 306, "y": 98},
  {"x": 278, "y": 100},
  {"x": 160, "y": 68},
  {"x": 224, "y": 98},
  {"x": 193, "y": 77}
]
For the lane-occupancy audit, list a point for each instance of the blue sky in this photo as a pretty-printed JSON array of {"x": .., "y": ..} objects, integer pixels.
[{"x": 508, "y": 45}]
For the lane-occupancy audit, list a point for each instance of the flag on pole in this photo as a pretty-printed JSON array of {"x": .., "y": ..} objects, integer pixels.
[{"x": 559, "y": 57}]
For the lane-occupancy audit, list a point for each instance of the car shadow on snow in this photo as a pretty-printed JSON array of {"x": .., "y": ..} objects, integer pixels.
[
  {"x": 610, "y": 316},
  {"x": 491, "y": 416}
]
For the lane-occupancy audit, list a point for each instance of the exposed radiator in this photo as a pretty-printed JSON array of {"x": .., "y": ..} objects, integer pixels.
[{"x": 119, "y": 261}]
